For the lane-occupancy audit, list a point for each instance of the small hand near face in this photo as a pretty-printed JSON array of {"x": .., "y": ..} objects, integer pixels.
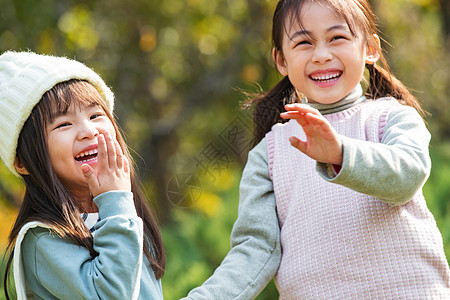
[
  {"x": 322, "y": 142},
  {"x": 113, "y": 169}
]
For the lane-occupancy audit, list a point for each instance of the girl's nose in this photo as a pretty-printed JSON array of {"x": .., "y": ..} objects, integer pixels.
[
  {"x": 88, "y": 131},
  {"x": 322, "y": 54}
]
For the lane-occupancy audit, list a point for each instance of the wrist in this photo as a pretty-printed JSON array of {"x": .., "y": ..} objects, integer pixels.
[{"x": 114, "y": 203}]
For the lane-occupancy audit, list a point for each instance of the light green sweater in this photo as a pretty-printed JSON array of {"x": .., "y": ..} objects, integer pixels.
[
  {"x": 57, "y": 268},
  {"x": 255, "y": 252}
]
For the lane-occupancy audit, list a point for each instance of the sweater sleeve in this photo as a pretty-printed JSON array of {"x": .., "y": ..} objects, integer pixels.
[
  {"x": 57, "y": 268},
  {"x": 255, "y": 252},
  {"x": 395, "y": 169}
]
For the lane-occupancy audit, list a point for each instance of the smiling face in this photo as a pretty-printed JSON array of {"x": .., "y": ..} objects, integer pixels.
[
  {"x": 72, "y": 136},
  {"x": 72, "y": 141},
  {"x": 321, "y": 56}
]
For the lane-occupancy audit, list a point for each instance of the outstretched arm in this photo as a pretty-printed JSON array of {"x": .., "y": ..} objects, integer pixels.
[
  {"x": 392, "y": 170},
  {"x": 255, "y": 252}
]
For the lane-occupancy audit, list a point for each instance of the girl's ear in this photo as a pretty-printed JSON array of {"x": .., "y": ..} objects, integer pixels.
[
  {"x": 279, "y": 61},
  {"x": 20, "y": 167},
  {"x": 373, "y": 51}
]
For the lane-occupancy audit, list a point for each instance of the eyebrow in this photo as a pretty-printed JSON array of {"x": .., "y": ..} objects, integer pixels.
[{"x": 309, "y": 33}]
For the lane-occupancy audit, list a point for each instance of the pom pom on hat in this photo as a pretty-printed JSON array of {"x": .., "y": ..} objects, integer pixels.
[{"x": 24, "y": 78}]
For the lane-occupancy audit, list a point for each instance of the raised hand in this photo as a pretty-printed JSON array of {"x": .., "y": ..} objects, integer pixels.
[
  {"x": 113, "y": 169},
  {"x": 322, "y": 142}
]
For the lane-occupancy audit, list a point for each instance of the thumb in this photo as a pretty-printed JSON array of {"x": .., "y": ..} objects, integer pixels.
[
  {"x": 299, "y": 144},
  {"x": 90, "y": 176}
]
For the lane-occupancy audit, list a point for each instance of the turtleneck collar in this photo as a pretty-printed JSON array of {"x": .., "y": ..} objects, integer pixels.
[{"x": 355, "y": 97}]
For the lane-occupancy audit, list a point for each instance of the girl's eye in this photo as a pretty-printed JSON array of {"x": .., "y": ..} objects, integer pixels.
[
  {"x": 96, "y": 115},
  {"x": 301, "y": 43},
  {"x": 338, "y": 37},
  {"x": 62, "y": 125}
]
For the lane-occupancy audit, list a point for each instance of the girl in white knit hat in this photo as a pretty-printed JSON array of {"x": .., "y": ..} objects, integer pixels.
[
  {"x": 84, "y": 230},
  {"x": 331, "y": 196}
]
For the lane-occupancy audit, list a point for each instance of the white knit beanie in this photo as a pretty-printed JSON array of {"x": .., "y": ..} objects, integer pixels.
[{"x": 24, "y": 78}]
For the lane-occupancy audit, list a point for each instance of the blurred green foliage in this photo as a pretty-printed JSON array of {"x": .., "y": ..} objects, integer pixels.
[{"x": 179, "y": 70}]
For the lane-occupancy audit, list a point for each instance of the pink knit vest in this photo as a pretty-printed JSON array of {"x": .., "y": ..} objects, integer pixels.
[{"x": 341, "y": 244}]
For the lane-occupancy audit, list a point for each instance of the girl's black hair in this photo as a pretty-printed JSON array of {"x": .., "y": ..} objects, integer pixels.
[
  {"x": 360, "y": 19},
  {"x": 47, "y": 200}
]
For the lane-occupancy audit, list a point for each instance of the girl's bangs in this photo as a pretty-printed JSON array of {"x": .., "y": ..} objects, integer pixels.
[
  {"x": 62, "y": 96},
  {"x": 352, "y": 12}
]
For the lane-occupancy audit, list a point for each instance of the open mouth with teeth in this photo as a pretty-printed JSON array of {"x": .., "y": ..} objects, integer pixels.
[
  {"x": 86, "y": 156},
  {"x": 325, "y": 77}
]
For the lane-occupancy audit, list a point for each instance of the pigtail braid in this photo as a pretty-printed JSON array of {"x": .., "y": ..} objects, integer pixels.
[
  {"x": 383, "y": 84},
  {"x": 267, "y": 108}
]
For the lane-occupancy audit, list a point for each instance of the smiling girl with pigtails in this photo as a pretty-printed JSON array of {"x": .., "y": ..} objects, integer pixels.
[
  {"x": 331, "y": 197},
  {"x": 84, "y": 230}
]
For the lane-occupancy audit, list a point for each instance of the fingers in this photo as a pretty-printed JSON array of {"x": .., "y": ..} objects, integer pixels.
[
  {"x": 299, "y": 144},
  {"x": 298, "y": 108},
  {"x": 122, "y": 160},
  {"x": 119, "y": 155},
  {"x": 308, "y": 119},
  {"x": 110, "y": 154},
  {"x": 321, "y": 142},
  {"x": 302, "y": 113},
  {"x": 113, "y": 168},
  {"x": 317, "y": 120},
  {"x": 90, "y": 176},
  {"x": 111, "y": 148},
  {"x": 114, "y": 157},
  {"x": 102, "y": 155},
  {"x": 126, "y": 165}
]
